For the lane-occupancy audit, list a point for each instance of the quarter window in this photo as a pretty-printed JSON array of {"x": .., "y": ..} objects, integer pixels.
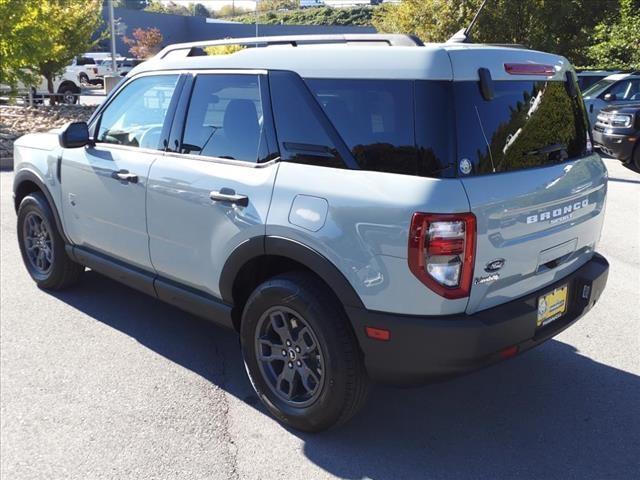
[
  {"x": 136, "y": 115},
  {"x": 225, "y": 118}
]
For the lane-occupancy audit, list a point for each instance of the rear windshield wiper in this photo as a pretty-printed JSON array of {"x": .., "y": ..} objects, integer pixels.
[{"x": 554, "y": 147}]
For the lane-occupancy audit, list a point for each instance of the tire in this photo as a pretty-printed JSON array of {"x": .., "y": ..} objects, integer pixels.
[
  {"x": 47, "y": 261},
  {"x": 323, "y": 351},
  {"x": 636, "y": 158},
  {"x": 68, "y": 96}
]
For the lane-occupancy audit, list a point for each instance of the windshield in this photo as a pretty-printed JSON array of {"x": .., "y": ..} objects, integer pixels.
[
  {"x": 597, "y": 87},
  {"x": 527, "y": 124}
]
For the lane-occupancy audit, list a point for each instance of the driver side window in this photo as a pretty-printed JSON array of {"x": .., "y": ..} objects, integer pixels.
[{"x": 136, "y": 115}]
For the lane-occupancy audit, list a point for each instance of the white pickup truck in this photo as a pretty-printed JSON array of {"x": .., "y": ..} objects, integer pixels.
[{"x": 66, "y": 85}]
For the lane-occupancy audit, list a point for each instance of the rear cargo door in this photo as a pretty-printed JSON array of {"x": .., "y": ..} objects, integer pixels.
[{"x": 537, "y": 190}]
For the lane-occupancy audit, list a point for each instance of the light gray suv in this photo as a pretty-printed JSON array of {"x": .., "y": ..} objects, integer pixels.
[{"x": 357, "y": 207}]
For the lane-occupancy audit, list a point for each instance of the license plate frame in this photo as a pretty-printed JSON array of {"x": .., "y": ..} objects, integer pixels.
[{"x": 552, "y": 305}]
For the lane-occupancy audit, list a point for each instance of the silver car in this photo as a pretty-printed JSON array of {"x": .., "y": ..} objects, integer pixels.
[{"x": 358, "y": 208}]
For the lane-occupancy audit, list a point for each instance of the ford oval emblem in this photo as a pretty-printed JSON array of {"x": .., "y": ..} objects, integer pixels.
[{"x": 494, "y": 265}]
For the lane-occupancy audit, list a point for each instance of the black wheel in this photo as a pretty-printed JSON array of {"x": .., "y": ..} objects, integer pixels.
[
  {"x": 68, "y": 96},
  {"x": 636, "y": 158},
  {"x": 83, "y": 78},
  {"x": 301, "y": 354},
  {"x": 42, "y": 247}
]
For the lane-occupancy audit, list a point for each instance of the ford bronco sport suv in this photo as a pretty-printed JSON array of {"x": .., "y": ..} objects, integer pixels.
[
  {"x": 617, "y": 133},
  {"x": 357, "y": 207}
]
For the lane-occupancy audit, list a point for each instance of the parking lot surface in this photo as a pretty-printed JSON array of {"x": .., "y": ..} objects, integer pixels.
[{"x": 101, "y": 381}]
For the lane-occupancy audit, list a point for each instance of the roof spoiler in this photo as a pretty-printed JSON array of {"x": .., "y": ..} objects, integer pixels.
[{"x": 192, "y": 49}]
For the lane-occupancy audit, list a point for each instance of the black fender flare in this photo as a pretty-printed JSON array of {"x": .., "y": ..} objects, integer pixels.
[
  {"x": 293, "y": 250},
  {"x": 28, "y": 176}
]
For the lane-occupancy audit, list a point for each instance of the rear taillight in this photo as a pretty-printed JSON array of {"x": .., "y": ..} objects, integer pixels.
[{"x": 442, "y": 251}]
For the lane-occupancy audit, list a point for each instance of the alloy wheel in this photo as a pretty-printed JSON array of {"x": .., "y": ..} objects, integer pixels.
[
  {"x": 38, "y": 243},
  {"x": 289, "y": 356}
]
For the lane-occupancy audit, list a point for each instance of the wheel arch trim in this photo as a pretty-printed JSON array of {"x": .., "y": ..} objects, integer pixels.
[
  {"x": 293, "y": 250},
  {"x": 28, "y": 176}
]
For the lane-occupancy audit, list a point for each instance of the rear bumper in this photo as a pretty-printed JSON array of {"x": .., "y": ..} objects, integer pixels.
[
  {"x": 617, "y": 146},
  {"x": 428, "y": 348}
]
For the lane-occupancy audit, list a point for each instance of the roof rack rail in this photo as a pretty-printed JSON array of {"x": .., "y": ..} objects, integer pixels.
[{"x": 193, "y": 49}]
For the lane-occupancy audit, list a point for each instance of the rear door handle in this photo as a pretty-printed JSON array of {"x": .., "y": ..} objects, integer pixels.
[
  {"x": 228, "y": 195},
  {"x": 125, "y": 176}
]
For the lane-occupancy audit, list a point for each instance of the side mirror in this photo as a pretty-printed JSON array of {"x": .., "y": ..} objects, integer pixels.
[
  {"x": 74, "y": 135},
  {"x": 610, "y": 97}
]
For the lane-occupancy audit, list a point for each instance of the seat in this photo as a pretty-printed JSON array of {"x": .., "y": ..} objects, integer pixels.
[{"x": 240, "y": 133}]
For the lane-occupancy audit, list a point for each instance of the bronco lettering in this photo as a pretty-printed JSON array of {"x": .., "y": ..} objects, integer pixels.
[{"x": 565, "y": 212}]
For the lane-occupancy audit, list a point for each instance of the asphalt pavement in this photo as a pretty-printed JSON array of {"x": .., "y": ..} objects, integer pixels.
[{"x": 101, "y": 381}]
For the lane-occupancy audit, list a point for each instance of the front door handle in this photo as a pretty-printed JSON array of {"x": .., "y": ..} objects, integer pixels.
[
  {"x": 125, "y": 176},
  {"x": 229, "y": 195}
]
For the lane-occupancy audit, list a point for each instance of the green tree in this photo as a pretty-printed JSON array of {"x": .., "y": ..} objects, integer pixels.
[
  {"x": 559, "y": 26},
  {"x": 275, "y": 5},
  {"x": 145, "y": 42},
  {"x": 18, "y": 32},
  {"x": 617, "y": 42},
  {"x": 172, "y": 8},
  {"x": 130, "y": 4},
  {"x": 313, "y": 16},
  {"x": 200, "y": 10},
  {"x": 43, "y": 37}
]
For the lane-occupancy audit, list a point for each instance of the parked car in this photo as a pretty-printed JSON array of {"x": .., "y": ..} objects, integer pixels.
[
  {"x": 66, "y": 87},
  {"x": 127, "y": 64},
  {"x": 586, "y": 78},
  {"x": 617, "y": 132},
  {"x": 379, "y": 210},
  {"x": 123, "y": 65},
  {"x": 84, "y": 69},
  {"x": 618, "y": 89}
]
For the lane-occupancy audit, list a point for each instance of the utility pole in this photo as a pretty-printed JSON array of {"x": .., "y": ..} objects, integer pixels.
[{"x": 112, "y": 27}]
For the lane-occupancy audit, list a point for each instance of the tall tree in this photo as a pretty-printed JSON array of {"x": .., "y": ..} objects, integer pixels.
[
  {"x": 199, "y": 10},
  {"x": 617, "y": 42},
  {"x": 145, "y": 42},
  {"x": 559, "y": 26},
  {"x": 43, "y": 37},
  {"x": 173, "y": 8}
]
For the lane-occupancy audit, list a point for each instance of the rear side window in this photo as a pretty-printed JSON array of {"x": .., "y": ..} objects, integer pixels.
[
  {"x": 303, "y": 133},
  {"x": 225, "y": 118},
  {"x": 527, "y": 124},
  {"x": 85, "y": 61},
  {"x": 384, "y": 126}
]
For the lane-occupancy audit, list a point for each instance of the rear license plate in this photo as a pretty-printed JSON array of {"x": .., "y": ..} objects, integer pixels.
[{"x": 552, "y": 305}]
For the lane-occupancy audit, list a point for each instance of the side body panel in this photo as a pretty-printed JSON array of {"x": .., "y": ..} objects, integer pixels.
[
  {"x": 190, "y": 235},
  {"x": 359, "y": 222},
  {"x": 37, "y": 154},
  {"x": 104, "y": 213}
]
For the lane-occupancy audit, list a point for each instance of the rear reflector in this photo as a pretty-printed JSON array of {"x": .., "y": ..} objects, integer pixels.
[
  {"x": 378, "y": 334},
  {"x": 509, "y": 352},
  {"x": 529, "y": 69}
]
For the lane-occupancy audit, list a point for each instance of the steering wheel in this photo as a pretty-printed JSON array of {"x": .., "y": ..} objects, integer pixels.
[{"x": 148, "y": 137}]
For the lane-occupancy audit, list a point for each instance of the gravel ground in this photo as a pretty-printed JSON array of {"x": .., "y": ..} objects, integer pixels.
[
  {"x": 16, "y": 121},
  {"x": 103, "y": 382}
]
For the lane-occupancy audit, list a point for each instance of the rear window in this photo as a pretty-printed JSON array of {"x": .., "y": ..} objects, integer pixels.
[
  {"x": 396, "y": 126},
  {"x": 527, "y": 124}
]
